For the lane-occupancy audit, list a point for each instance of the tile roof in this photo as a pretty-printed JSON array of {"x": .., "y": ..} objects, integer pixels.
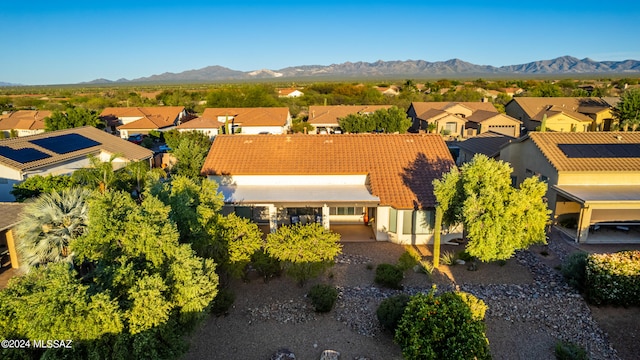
[
  {"x": 535, "y": 107},
  {"x": 421, "y": 108},
  {"x": 483, "y": 115},
  {"x": 170, "y": 112},
  {"x": 329, "y": 115},
  {"x": 487, "y": 143},
  {"x": 550, "y": 144},
  {"x": 257, "y": 116},
  {"x": 107, "y": 143},
  {"x": 151, "y": 122},
  {"x": 24, "y": 120},
  {"x": 401, "y": 167},
  {"x": 10, "y": 214},
  {"x": 201, "y": 123}
]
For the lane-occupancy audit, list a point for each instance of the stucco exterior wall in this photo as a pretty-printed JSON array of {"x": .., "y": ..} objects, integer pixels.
[{"x": 254, "y": 130}]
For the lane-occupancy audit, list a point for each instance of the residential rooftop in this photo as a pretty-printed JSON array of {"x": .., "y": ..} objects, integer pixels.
[{"x": 401, "y": 167}]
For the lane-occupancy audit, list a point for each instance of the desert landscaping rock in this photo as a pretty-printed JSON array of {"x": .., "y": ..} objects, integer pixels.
[{"x": 540, "y": 311}]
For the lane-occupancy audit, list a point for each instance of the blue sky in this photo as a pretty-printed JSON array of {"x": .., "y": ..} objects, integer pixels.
[{"x": 63, "y": 42}]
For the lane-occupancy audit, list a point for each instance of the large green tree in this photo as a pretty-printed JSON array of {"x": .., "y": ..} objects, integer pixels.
[
  {"x": 383, "y": 120},
  {"x": 49, "y": 224},
  {"x": 35, "y": 185},
  {"x": 627, "y": 111},
  {"x": 71, "y": 118},
  {"x": 498, "y": 219},
  {"x": 138, "y": 293},
  {"x": 195, "y": 208},
  {"x": 305, "y": 250},
  {"x": 190, "y": 148}
]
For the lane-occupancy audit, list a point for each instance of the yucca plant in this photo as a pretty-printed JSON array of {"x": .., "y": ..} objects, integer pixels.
[{"x": 49, "y": 224}]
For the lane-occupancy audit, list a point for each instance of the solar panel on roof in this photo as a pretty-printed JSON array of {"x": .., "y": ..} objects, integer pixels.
[
  {"x": 22, "y": 155},
  {"x": 597, "y": 151},
  {"x": 63, "y": 144}
]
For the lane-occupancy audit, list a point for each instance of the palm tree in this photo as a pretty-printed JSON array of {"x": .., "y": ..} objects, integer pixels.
[
  {"x": 100, "y": 175},
  {"x": 49, "y": 224}
]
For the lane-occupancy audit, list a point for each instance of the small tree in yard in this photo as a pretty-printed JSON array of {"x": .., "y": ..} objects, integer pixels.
[
  {"x": 498, "y": 218},
  {"x": 443, "y": 327},
  {"x": 304, "y": 250}
]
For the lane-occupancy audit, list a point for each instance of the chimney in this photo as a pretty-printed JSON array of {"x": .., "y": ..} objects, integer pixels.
[{"x": 313, "y": 114}]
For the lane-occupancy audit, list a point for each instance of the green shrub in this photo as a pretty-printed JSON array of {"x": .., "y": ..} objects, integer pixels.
[
  {"x": 390, "y": 311},
  {"x": 426, "y": 267},
  {"x": 222, "y": 302},
  {"x": 464, "y": 255},
  {"x": 613, "y": 278},
  {"x": 266, "y": 265},
  {"x": 409, "y": 259},
  {"x": 569, "y": 351},
  {"x": 574, "y": 269},
  {"x": 478, "y": 307},
  {"x": 323, "y": 297},
  {"x": 448, "y": 258},
  {"x": 389, "y": 276},
  {"x": 441, "y": 327}
]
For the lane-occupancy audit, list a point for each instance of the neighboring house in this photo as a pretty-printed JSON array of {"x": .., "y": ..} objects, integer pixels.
[
  {"x": 453, "y": 118},
  {"x": 291, "y": 93},
  {"x": 10, "y": 217},
  {"x": 325, "y": 118},
  {"x": 23, "y": 122},
  {"x": 61, "y": 152},
  {"x": 487, "y": 143},
  {"x": 593, "y": 178},
  {"x": 383, "y": 180},
  {"x": 388, "y": 90},
  {"x": 257, "y": 120},
  {"x": 511, "y": 91},
  {"x": 142, "y": 120},
  {"x": 208, "y": 126},
  {"x": 564, "y": 114},
  {"x": 482, "y": 121}
]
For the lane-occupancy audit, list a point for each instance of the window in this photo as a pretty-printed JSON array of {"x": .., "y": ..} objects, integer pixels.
[
  {"x": 418, "y": 222},
  {"x": 528, "y": 172},
  {"x": 451, "y": 127},
  {"x": 544, "y": 178},
  {"x": 407, "y": 221},
  {"x": 344, "y": 211},
  {"x": 393, "y": 220}
]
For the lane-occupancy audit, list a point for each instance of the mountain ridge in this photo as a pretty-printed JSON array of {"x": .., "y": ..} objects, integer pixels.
[{"x": 563, "y": 65}]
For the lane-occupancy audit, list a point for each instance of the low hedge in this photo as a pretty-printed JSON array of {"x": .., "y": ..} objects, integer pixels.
[{"x": 614, "y": 278}]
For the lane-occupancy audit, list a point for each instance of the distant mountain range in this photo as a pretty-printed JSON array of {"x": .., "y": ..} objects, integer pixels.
[{"x": 565, "y": 65}]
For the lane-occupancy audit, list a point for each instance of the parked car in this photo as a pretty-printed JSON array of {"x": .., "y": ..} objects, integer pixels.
[
  {"x": 164, "y": 148},
  {"x": 136, "y": 138}
]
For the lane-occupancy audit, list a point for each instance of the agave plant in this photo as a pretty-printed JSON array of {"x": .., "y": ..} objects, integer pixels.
[{"x": 49, "y": 224}]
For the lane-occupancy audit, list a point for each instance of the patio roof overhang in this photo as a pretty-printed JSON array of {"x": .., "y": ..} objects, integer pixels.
[
  {"x": 611, "y": 196},
  {"x": 299, "y": 195}
]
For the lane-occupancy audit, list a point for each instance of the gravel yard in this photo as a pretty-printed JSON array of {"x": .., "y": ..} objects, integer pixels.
[{"x": 530, "y": 308}]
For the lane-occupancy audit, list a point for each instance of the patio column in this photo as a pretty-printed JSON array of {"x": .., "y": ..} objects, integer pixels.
[
  {"x": 273, "y": 218},
  {"x": 11, "y": 245},
  {"x": 325, "y": 216},
  {"x": 583, "y": 224}
]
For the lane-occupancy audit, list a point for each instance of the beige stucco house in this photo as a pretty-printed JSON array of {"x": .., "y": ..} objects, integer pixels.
[
  {"x": 245, "y": 121},
  {"x": 564, "y": 114},
  {"x": 593, "y": 177},
  {"x": 141, "y": 120},
  {"x": 23, "y": 122},
  {"x": 381, "y": 181},
  {"x": 61, "y": 152},
  {"x": 461, "y": 119}
]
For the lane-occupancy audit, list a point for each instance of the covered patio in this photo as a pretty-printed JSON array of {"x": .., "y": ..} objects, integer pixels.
[
  {"x": 605, "y": 214},
  {"x": 331, "y": 201}
]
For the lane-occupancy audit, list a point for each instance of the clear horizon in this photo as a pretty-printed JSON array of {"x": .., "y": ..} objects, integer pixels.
[{"x": 69, "y": 42}]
